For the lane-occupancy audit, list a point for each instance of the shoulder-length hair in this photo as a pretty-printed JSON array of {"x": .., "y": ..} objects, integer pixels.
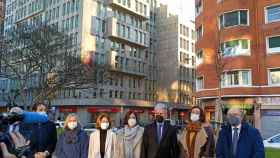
[
  {"x": 36, "y": 105},
  {"x": 127, "y": 115},
  {"x": 201, "y": 116},
  {"x": 68, "y": 118},
  {"x": 100, "y": 117}
]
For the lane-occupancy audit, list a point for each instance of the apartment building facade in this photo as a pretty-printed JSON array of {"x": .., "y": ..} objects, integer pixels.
[
  {"x": 120, "y": 33},
  {"x": 243, "y": 37},
  {"x": 2, "y": 15},
  {"x": 176, "y": 61}
]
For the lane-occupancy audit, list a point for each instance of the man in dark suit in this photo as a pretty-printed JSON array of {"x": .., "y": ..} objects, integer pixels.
[
  {"x": 160, "y": 138},
  {"x": 239, "y": 140}
]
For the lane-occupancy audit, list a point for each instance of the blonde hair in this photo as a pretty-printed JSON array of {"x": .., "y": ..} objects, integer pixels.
[{"x": 68, "y": 118}]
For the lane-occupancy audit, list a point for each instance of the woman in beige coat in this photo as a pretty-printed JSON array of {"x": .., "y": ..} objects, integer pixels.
[
  {"x": 129, "y": 138},
  {"x": 102, "y": 143},
  {"x": 197, "y": 139}
]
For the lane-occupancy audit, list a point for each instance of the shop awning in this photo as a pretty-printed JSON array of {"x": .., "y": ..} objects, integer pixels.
[
  {"x": 241, "y": 106},
  {"x": 67, "y": 109},
  {"x": 105, "y": 109},
  {"x": 137, "y": 110}
]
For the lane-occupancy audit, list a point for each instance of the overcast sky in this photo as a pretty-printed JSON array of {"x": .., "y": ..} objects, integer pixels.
[{"x": 184, "y": 8}]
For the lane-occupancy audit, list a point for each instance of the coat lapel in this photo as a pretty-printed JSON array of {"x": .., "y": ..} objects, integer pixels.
[
  {"x": 241, "y": 136},
  {"x": 154, "y": 132},
  {"x": 108, "y": 141},
  {"x": 164, "y": 132},
  {"x": 229, "y": 140}
]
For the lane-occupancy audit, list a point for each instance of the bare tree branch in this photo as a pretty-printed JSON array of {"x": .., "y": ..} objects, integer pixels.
[{"x": 46, "y": 54}]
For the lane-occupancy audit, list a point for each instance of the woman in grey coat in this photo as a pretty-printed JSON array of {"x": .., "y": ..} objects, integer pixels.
[{"x": 129, "y": 138}]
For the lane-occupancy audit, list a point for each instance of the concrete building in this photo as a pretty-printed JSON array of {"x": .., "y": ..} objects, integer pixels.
[
  {"x": 247, "y": 35},
  {"x": 176, "y": 60},
  {"x": 117, "y": 32},
  {"x": 2, "y": 15}
]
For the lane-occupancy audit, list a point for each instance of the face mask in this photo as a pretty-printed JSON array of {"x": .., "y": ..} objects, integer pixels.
[
  {"x": 72, "y": 125},
  {"x": 159, "y": 118},
  {"x": 104, "y": 126},
  {"x": 42, "y": 113},
  {"x": 194, "y": 117},
  {"x": 234, "y": 120},
  {"x": 131, "y": 122}
]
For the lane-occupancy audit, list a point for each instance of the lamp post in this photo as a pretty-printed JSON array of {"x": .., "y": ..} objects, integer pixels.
[{"x": 25, "y": 99}]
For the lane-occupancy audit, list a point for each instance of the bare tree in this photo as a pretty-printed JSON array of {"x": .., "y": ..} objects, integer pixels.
[
  {"x": 219, "y": 70},
  {"x": 43, "y": 60}
]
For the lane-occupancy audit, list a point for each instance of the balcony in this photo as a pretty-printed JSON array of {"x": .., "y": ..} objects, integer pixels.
[
  {"x": 132, "y": 9},
  {"x": 112, "y": 32},
  {"x": 115, "y": 67}
]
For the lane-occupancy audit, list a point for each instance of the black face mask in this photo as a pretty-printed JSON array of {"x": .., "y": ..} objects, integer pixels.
[{"x": 159, "y": 118}]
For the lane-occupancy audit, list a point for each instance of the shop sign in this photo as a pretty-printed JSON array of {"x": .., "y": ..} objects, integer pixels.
[
  {"x": 105, "y": 110},
  {"x": 271, "y": 112}
]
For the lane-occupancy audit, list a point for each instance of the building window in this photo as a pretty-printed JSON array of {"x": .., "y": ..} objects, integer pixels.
[
  {"x": 273, "y": 14},
  {"x": 116, "y": 94},
  {"x": 121, "y": 94},
  {"x": 273, "y": 44},
  {"x": 199, "y": 83},
  {"x": 236, "y": 78},
  {"x": 274, "y": 76},
  {"x": 111, "y": 94},
  {"x": 239, "y": 17},
  {"x": 199, "y": 32},
  {"x": 128, "y": 3},
  {"x": 193, "y": 35},
  {"x": 101, "y": 93},
  {"x": 198, "y": 7},
  {"x": 235, "y": 47},
  {"x": 199, "y": 57},
  {"x": 181, "y": 29},
  {"x": 188, "y": 59},
  {"x": 193, "y": 47}
]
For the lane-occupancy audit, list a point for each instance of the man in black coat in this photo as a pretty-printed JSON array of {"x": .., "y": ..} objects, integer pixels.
[
  {"x": 160, "y": 138},
  {"x": 43, "y": 135}
]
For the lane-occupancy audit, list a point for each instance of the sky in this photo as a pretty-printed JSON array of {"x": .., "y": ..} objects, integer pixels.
[{"x": 185, "y": 8}]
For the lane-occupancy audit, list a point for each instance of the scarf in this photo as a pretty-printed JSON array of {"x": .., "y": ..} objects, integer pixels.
[
  {"x": 130, "y": 140},
  {"x": 71, "y": 136},
  {"x": 192, "y": 131}
]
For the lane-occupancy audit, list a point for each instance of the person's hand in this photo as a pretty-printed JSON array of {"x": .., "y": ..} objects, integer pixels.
[
  {"x": 5, "y": 151},
  {"x": 19, "y": 140},
  {"x": 40, "y": 155}
]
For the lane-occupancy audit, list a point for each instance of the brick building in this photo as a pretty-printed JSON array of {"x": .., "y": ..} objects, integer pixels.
[{"x": 247, "y": 34}]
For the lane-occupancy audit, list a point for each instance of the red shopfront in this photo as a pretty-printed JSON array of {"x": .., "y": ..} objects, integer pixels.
[
  {"x": 145, "y": 115},
  {"x": 65, "y": 110},
  {"x": 113, "y": 112}
]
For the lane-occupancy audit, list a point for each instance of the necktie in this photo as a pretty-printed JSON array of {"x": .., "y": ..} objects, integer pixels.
[
  {"x": 235, "y": 140},
  {"x": 159, "y": 132}
]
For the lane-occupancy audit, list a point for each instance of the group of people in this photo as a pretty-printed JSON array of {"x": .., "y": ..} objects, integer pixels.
[
  {"x": 35, "y": 131},
  {"x": 160, "y": 139},
  {"x": 237, "y": 139}
]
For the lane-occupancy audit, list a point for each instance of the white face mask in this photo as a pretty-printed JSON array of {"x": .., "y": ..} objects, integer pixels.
[
  {"x": 131, "y": 122},
  {"x": 194, "y": 117},
  {"x": 72, "y": 125},
  {"x": 42, "y": 113},
  {"x": 104, "y": 126}
]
